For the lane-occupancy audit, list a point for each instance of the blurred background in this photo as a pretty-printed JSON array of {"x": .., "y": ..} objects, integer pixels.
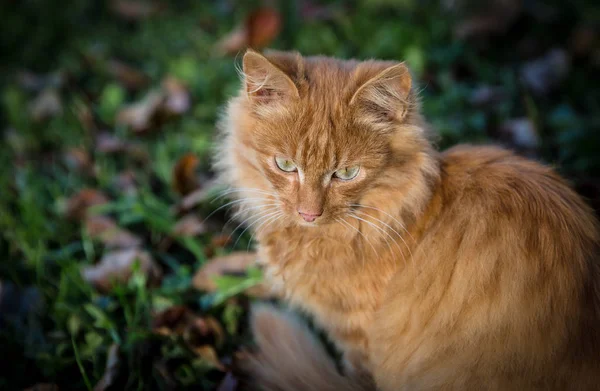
[{"x": 114, "y": 274}]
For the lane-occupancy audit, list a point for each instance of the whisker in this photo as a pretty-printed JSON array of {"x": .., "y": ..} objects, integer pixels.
[
  {"x": 251, "y": 224},
  {"x": 384, "y": 232},
  {"x": 242, "y": 211},
  {"x": 387, "y": 214},
  {"x": 361, "y": 234},
  {"x": 257, "y": 229},
  {"x": 232, "y": 203},
  {"x": 393, "y": 230}
]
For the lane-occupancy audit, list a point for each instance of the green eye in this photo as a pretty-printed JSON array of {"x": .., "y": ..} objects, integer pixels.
[
  {"x": 285, "y": 164},
  {"x": 347, "y": 173}
]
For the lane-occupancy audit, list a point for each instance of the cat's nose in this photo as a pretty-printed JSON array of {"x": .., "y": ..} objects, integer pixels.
[{"x": 309, "y": 216}]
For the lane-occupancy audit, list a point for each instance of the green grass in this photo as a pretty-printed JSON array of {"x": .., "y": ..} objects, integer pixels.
[{"x": 54, "y": 326}]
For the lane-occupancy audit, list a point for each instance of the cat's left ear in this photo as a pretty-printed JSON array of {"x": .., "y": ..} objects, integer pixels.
[
  {"x": 265, "y": 81},
  {"x": 385, "y": 95}
]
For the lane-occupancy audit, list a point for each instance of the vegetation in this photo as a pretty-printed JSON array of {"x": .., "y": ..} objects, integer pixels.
[{"x": 109, "y": 111}]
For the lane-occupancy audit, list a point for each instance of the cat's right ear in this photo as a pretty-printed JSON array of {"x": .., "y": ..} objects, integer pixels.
[{"x": 265, "y": 82}]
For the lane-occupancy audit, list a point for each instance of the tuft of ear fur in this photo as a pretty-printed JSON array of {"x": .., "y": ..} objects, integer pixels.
[
  {"x": 264, "y": 81},
  {"x": 386, "y": 95}
]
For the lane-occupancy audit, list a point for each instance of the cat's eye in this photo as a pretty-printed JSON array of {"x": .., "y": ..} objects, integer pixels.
[
  {"x": 285, "y": 164},
  {"x": 347, "y": 173}
]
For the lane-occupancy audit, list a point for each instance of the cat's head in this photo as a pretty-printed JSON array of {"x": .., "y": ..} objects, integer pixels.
[{"x": 308, "y": 139}]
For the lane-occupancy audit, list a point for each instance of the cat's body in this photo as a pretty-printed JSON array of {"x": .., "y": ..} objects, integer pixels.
[{"x": 471, "y": 269}]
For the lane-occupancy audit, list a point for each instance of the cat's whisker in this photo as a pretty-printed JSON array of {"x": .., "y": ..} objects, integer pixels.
[
  {"x": 257, "y": 229},
  {"x": 243, "y": 211},
  {"x": 233, "y": 203},
  {"x": 343, "y": 221},
  {"x": 387, "y": 214},
  {"x": 262, "y": 217},
  {"x": 381, "y": 230},
  {"x": 394, "y": 231}
]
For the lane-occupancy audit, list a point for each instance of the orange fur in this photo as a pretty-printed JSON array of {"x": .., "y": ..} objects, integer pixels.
[{"x": 470, "y": 269}]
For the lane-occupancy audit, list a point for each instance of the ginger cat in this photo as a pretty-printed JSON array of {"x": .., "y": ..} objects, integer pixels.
[{"x": 471, "y": 269}]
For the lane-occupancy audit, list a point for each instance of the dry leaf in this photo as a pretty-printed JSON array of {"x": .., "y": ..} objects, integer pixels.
[
  {"x": 209, "y": 355},
  {"x": 43, "y": 387},
  {"x": 117, "y": 266},
  {"x": 259, "y": 29},
  {"x": 496, "y": 18},
  {"x": 189, "y": 225},
  {"x": 112, "y": 367},
  {"x": 184, "y": 174},
  {"x": 140, "y": 116},
  {"x": 46, "y": 105},
  {"x": 178, "y": 99},
  {"x": 106, "y": 230},
  {"x": 130, "y": 77},
  {"x": 77, "y": 205},
  {"x": 546, "y": 73}
]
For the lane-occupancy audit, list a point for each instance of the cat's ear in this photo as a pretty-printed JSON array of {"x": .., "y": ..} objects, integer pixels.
[
  {"x": 386, "y": 94},
  {"x": 264, "y": 81}
]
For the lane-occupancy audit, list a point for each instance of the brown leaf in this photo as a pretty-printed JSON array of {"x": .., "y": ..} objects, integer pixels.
[
  {"x": 77, "y": 205},
  {"x": 117, "y": 266},
  {"x": 134, "y": 10},
  {"x": 141, "y": 115},
  {"x": 181, "y": 321},
  {"x": 184, "y": 174},
  {"x": 106, "y": 230},
  {"x": 46, "y": 105},
  {"x": 220, "y": 241},
  {"x": 546, "y": 73},
  {"x": 112, "y": 367},
  {"x": 189, "y": 225},
  {"x": 43, "y": 387},
  {"x": 259, "y": 29},
  {"x": 130, "y": 77},
  {"x": 583, "y": 40},
  {"x": 236, "y": 263},
  {"x": 209, "y": 355},
  {"x": 494, "y": 19},
  {"x": 178, "y": 99},
  {"x": 229, "y": 383}
]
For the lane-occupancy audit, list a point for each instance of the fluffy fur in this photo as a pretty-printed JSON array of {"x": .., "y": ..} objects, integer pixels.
[{"x": 468, "y": 269}]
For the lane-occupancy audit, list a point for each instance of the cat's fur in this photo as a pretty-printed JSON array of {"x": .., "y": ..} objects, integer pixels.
[{"x": 468, "y": 269}]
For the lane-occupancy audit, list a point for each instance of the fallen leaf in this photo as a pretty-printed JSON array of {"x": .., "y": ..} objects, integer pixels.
[
  {"x": 229, "y": 383},
  {"x": 184, "y": 174},
  {"x": 199, "y": 333},
  {"x": 258, "y": 30},
  {"x": 220, "y": 241},
  {"x": 189, "y": 225},
  {"x": 117, "y": 266},
  {"x": 130, "y": 77},
  {"x": 46, "y": 105},
  {"x": 134, "y": 10},
  {"x": 77, "y": 206},
  {"x": 234, "y": 264},
  {"x": 43, "y": 387},
  {"x": 178, "y": 99},
  {"x": 106, "y": 230},
  {"x": 546, "y": 73},
  {"x": 139, "y": 116},
  {"x": 111, "y": 369}
]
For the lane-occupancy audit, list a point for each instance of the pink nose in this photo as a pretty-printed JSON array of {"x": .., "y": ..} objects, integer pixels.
[{"x": 309, "y": 217}]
